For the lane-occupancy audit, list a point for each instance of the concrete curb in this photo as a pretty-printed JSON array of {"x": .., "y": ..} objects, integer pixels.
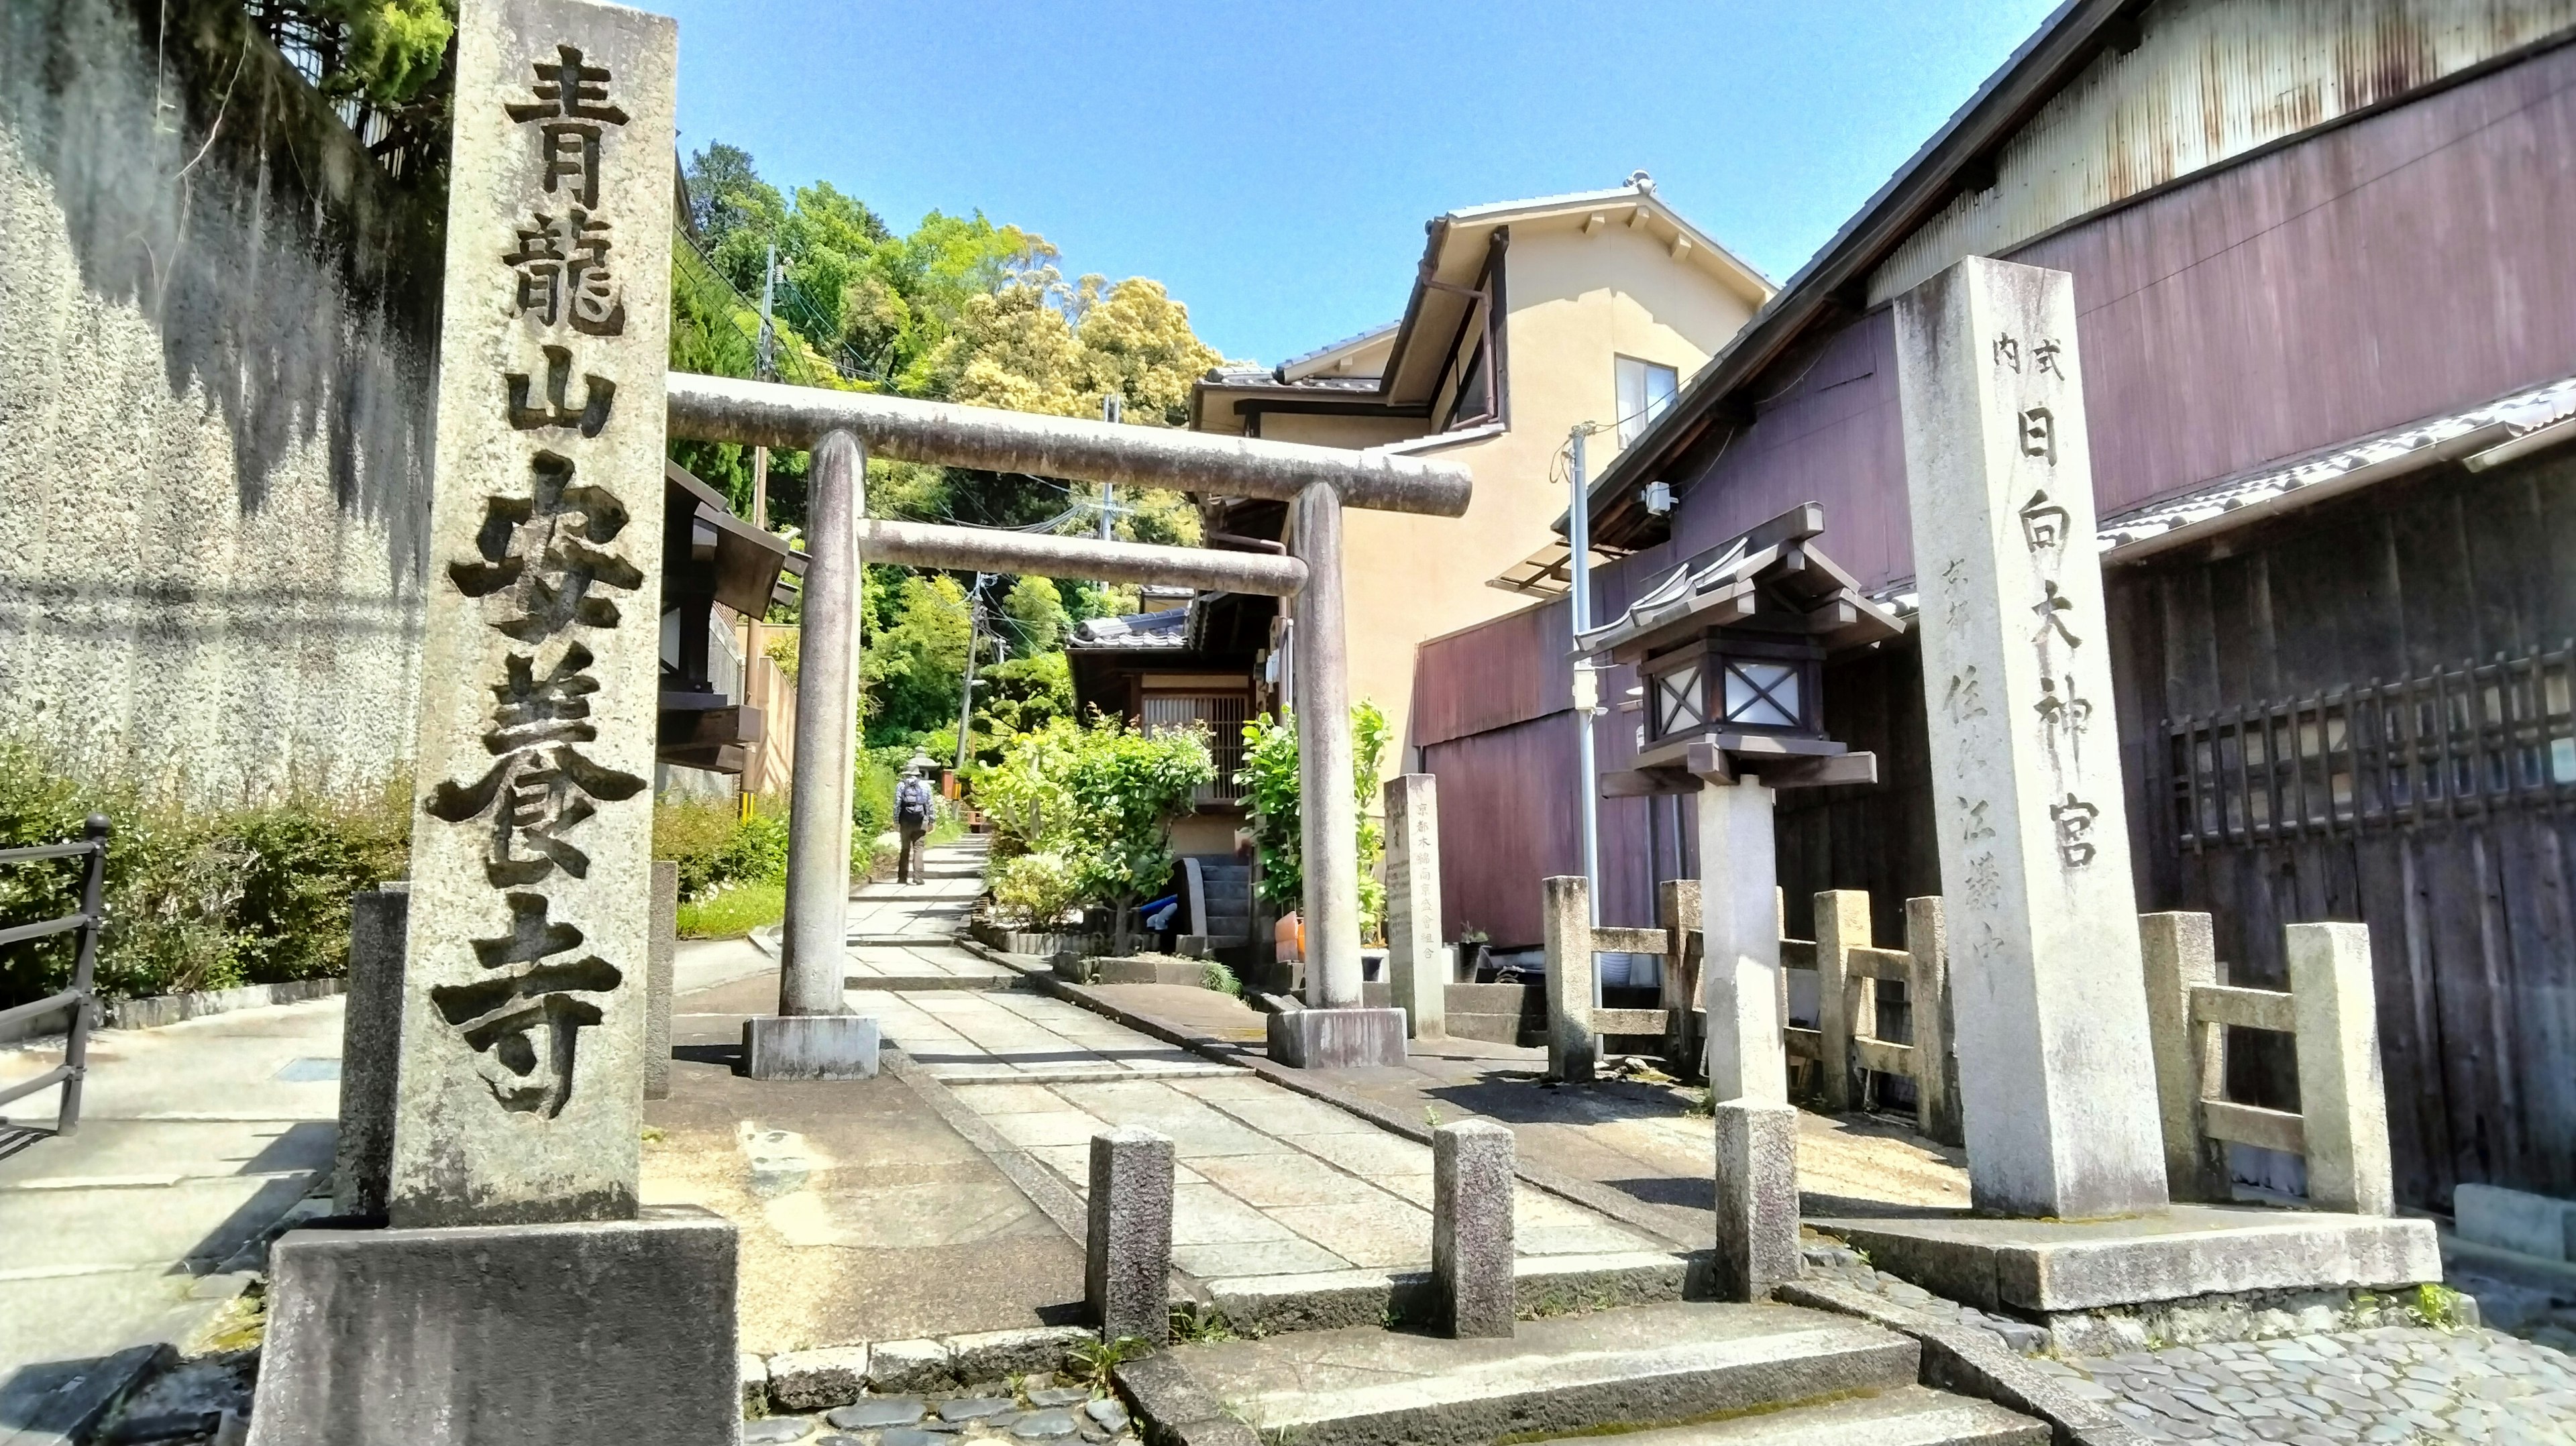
[
  {"x": 1969, "y": 1362},
  {"x": 155, "y": 1010},
  {"x": 1591, "y": 1196}
]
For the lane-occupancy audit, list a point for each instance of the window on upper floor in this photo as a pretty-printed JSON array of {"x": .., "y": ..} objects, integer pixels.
[{"x": 1645, "y": 389}]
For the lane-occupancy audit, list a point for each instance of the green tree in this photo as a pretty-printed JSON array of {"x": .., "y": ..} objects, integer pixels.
[
  {"x": 1019, "y": 696},
  {"x": 1034, "y": 604},
  {"x": 391, "y": 49},
  {"x": 1269, "y": 777},
  {"x": 1126, "y": 789},
  {"x": 914, "y": 665}
]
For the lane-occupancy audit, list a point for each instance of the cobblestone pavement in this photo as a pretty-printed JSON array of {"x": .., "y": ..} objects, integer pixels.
[
  {"x": 1032, "y": 1408},
  {"x": 2395, "y": 1384}
]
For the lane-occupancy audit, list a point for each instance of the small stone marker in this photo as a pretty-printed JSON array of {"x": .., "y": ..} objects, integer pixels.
[
  {"x": 1417, "y": 966},
  {"x": 2034, "y": 835},
  {"x": 1127, "y": 1253},
  {"x": 2343, "y": 1103},
  {"x": 1471, "y": 1228},
  {"x": 658, "y": 979},
  {"x": 531, "y": 860},
  {"x": 1566, "y": 917},
  {"x": 2180, "y": 954},
  {"x": 1757, "y": 1199},
  {"x": 370, "y": 1039}
]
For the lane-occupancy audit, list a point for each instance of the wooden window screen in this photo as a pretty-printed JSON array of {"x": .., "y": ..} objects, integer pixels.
[
  {"x": 2452, "y": 742},
  {"x": 1223, "y": 716}
]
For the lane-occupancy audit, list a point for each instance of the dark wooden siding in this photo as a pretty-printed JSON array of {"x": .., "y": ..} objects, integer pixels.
[
  {"x": 1507, "y": 670},
  {"x": 1507, "y": 820},
  {"x": 2463, "y": 872}
]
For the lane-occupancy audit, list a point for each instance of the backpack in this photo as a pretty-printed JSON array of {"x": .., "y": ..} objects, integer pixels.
[{"x": 912, "y": 801}]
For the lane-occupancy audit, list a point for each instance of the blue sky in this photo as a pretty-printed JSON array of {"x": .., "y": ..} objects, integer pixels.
[{"x": 1273, "y": 164}]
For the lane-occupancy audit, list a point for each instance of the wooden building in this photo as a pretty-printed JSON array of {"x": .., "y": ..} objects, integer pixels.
[{"x": 2325, "y": 264}]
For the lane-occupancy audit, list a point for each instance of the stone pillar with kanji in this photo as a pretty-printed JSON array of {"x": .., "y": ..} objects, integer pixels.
[
  {"x": 2055, "y": 1067},
  {"x": 516, "y": 1265}
]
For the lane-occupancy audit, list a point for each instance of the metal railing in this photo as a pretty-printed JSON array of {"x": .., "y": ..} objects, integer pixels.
[{"x": 80, "y": 999}]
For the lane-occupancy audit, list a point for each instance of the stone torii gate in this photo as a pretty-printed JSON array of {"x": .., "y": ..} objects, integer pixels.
[{"x": 840, "y": 428}]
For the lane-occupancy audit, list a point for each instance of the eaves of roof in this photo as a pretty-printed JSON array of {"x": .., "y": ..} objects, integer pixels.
[{"x": 1832, "y": 285}]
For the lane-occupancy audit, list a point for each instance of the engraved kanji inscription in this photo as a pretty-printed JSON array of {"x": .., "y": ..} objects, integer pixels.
[
  {"x": 2052, "y": 609},
  {"x": 546, "y": 556},
  {"x": 571, "y": 110},
  {"x": 2043, "y": 359},
  {"x": 2074, "y": 820},
  {"x": 2008, "y": 351},
  {"x": 1965, "y": 697},
  {"x": 2066, "y": 710},
  {"x": 564, "y": 276},
  {"x": 2039, "y": 434},
  {"x": 524, "y": 1016},
  {"x": 598, "y": 394},
  {"x": 540, "y": 785},
  {"x": 2043, "y": 523}
]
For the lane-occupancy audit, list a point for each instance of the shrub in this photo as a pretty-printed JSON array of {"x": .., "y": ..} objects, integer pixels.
[
  {"x": 733, "y": 911},
  {"x": 715, "y": 846},
  {"x": 197, "y": 898},
  {"x": 1269, "y": 778},
  {"x": 1035, "y": 891}
]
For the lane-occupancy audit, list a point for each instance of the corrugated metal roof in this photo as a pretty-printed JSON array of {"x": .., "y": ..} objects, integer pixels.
[{"x": 2208, "y": 81}]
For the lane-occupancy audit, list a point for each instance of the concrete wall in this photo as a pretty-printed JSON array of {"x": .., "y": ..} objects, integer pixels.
[
  {"x": 1575, "y": 304},
  {"x": 214, "y": 407}
]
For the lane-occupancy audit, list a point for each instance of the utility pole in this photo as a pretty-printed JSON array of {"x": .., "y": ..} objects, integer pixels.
[
  {"x": 1587, "y": 683},
  {"x": 766, "y": 364},
  {"x": 1113, "y": 408},
  {"x": 966, "y": 706}
]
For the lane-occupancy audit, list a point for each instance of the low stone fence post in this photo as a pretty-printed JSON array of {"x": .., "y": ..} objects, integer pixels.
[
  {"x": 1846, "y": 1002},
  {"x": 2343, "y": 1102},
  {"x": 1127, "y": 1249},
  {"x": 1927, "y": 992},
  {"x": 1677, "y": 911},
  {"x": 2191, "y": 1058},
  {"x": 1471, "y": 1228},
  {"x": 1572, "y": 1050},
  {"x": 2332, "y": 1016}
]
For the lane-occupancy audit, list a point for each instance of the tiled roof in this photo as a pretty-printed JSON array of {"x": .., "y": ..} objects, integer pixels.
[
  {"x": 2458, "y": 435},
  {"x": 1265, "y": 377},
  {"x": 1134, "y": 632}
]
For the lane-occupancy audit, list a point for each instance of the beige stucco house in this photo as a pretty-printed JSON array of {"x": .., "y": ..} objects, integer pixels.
[{"x": 1526, "y": 319}]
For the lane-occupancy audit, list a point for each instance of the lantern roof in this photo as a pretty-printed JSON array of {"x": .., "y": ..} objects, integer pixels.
[{"x": 1772, "y": 582}]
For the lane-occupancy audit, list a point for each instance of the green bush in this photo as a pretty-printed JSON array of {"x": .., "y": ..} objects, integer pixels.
[
  {"x": 715, "y": 846},
  {"x": 1269, "y": 780},
  {"x": 197, "y": 898},
  {"x": 733, "y": 911},
  {"x": 1035, "y": 891}
]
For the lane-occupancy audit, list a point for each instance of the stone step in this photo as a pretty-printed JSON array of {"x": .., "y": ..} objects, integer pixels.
[
  {"x": 1906, "y": 1416},
  {"x": 1558, "y": 1376}
]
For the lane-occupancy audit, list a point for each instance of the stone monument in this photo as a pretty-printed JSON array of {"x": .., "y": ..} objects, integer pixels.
[
  {"x": 1417, "y": 965},
  {"x": 2054, "y": 1059},
  {"x": 519, "y": 1269}
]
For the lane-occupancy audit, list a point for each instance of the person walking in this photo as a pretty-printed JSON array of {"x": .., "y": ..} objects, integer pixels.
[{"x": 911, "y": 819}]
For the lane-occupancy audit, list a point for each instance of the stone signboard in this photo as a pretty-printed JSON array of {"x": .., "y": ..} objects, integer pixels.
[{"x": 2055, "y": 1068}]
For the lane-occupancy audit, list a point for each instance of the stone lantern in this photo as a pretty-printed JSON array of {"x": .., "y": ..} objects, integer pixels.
[{"x": 1731, "y": 648}]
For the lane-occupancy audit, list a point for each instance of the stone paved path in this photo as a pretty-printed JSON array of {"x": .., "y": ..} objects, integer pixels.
[
  {"x": 1269, "y": 1182},
  {"x": 2389, "y": 1385}
]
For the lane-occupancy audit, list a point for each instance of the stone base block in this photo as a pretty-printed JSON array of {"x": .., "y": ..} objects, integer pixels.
[
  {"x": 2041, "y": 1267},
  {"x": 810, "y": 1046},
  {"x": 1337, "y": 1038},
  {"x": 551, "y": 1335}
]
